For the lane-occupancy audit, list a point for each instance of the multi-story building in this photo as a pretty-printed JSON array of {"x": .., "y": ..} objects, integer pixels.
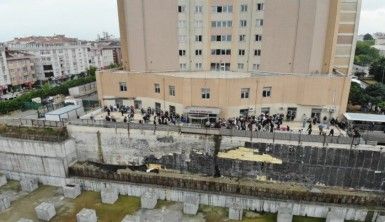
[
  {"x": 226, "y": 57},
  {"x": 104, "y": 53},
  {"x": 56, "y": 56},
  {"x": 4, "y": 73},
  {"x": 21, "y": 68},
  {"x": 296, "y": 36}
]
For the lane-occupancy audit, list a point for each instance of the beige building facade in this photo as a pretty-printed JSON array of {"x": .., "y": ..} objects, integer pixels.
[
  {"x": 21, "y": 68},
  {"x": 227, "y": 94},
  {"x": 296, "y": 36},
  {"x": 225, "y": 58}
]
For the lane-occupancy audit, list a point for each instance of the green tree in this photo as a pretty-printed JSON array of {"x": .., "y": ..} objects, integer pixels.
[
  {"x": 365, "y": 53},
  {"x": 377, "y": 69},
  {"x": 368, "y": 36},
  {"x": 356, "y": 95},
  {"x": 375, "y": 93},
  {"x": 113, "y": 66},
  {"x": 91, "y": 71}
]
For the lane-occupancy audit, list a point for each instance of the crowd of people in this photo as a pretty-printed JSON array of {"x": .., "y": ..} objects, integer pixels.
[{"x": 262, "y": 122}]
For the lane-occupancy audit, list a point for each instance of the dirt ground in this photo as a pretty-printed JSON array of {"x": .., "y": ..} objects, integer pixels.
[{"x": 23, "y": 207}]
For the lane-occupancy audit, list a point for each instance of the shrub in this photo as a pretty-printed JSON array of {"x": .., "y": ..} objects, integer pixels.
[{"x": 45, "y": 91}]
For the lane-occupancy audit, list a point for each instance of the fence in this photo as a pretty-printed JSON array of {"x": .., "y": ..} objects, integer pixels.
[
  {"x": 288, "y": 136},
  {"x": 188, "y": 129}
]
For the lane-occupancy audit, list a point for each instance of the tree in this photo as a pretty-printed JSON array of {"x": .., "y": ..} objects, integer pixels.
[
  {"x": 356, "y": 95},
  {"x": 91, "y": 71},
  {"x": 375, "y": 93},
  {"x": 377, "y": 69},
  {"x": 368, "y": 37},
  {"x": 365, "y": 53}
]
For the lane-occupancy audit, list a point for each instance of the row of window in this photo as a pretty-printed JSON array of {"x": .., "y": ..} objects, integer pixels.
[
  {"x": 225, "y": 24},
  {"x": 220, "y": 38},
  {"x": 205, "y": 92},
  {"x": 220, "y": 8},
  {"x": 217, "y": 66},
  {"x": 241, "y": 52}
]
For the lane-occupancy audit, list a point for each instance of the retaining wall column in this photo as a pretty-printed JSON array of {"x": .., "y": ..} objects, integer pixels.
[
  {"x": 191, "y": 204},
  {"x": 284, "y": 215}
]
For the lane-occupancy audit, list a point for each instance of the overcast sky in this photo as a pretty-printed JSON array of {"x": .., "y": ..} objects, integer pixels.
[{"x": 84, "y": 19}]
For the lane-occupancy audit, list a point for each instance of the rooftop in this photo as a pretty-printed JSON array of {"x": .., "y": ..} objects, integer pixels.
[
  {"x": 219, "y": 74},
  {"x": 50, "y": 40},
  {"x": 64, "y": 110},
  {"x": 365, "y": 117}
]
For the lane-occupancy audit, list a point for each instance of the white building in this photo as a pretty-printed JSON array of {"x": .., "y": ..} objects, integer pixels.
[
  {"x": 103, "y": 54},
  {"x": 55, "y": 56},
  {"x": 5, "y": 80}
]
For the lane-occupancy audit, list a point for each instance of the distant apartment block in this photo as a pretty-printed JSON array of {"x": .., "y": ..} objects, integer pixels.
[
  {"x": 4, "y": 73},
  {"x": 58, "y": 56},
  {"x": 296, "y": 36},
  {"x": 55, "y": 56},
  {"x": 21, "y": 68}
]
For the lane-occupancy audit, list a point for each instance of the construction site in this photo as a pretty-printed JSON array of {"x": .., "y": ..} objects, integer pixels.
[{"x": 99, "y": 171}]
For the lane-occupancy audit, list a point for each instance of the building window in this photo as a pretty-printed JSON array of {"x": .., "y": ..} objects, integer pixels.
[
  {"x": 182, "y": 38},
  {"x": 183, "y": 66},
  {"x": 266, "y": 92},
  {"x": 265, "y": 110},
  {"x": 198, "y": 38},
  {"x": 205, "y": 93},
  {"x": 221, "y": 38},
  {"x": 242, "y": 38},
  {"x": 241, "y": 52},
  {"x": 243, "y": 23},
  {"x": 260, "y": 7},
  {"x": 157, "y": 88},
  {"x": 182, "y": 24},
  {"x": 255, "y": 67},
  {"x": 219, "y": 24},
  {"x": 198, "y": 24},
  {"x": 171, "y": 90},
  {"x": 241, "y": 65},
  {"x": 182, "y": 52},
  {"x": 257, "y": 52},
  {"x": 123, "y": 87},
  {"x": 198, "y": 66},
  {"x": 259, "y": 22},
  {"x": 220, "y": 66},
  {"x": 243, "y": 8},
  {"x": 198, "y": 52},
  {"x": 222, "y": 9},
  {"x": 245, "y": 92},
  {"x": 221, "y": 52},
  {"x": 198, "y": 9},
  {"x": 258, "y": 38},
  {"x": 181, "y": 8}
]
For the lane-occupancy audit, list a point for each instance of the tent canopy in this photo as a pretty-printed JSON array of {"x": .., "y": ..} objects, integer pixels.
[{"x": 365, "y": 117}]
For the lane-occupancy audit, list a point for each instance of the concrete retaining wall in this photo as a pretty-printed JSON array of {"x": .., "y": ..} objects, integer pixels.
[{"x": 35, "y": 157}]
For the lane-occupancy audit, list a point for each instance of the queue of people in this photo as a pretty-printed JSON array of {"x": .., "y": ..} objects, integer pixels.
[{"x": 262, "y": 122}]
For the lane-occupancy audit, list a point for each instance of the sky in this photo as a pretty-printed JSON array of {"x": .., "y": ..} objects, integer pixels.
[{"x": 85, "y": 19}]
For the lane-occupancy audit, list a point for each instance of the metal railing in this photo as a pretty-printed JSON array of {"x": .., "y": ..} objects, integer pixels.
[
  {"x": 288, "y": 136},
  {"x": 192, "y": 129}
]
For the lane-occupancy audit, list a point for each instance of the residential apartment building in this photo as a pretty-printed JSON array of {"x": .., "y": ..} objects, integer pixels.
[
  {"x": 296, "y": 36},
  {"x": 56, "y": 56},
  {"x": 105, "y": 53},
  {"x": 21, "y": 68},
  {"x": 224, "y": 58},
  {"x": 4, "y": 73}
]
